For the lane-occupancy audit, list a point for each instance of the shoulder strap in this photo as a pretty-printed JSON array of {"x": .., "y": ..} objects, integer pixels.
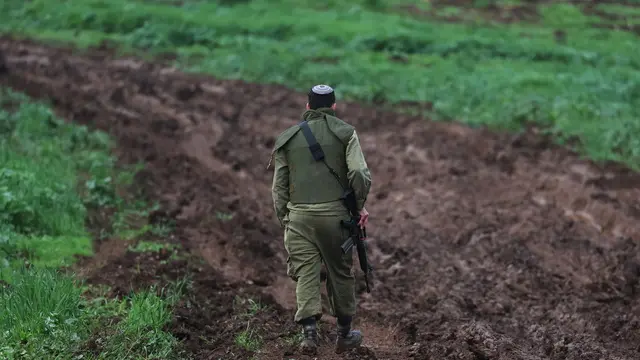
[{"x": 316, "y": 149}]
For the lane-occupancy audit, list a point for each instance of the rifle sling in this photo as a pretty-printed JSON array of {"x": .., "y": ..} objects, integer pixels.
[{"x": 316, "y": 150}]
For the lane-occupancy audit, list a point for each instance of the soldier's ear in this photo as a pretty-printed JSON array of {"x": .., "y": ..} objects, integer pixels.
[
  {"x": 308, "y": 106},
  {"x": 333, "y": 106}
]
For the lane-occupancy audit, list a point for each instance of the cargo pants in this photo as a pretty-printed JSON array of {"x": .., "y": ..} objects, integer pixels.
[{"x": 311, "y": 240}]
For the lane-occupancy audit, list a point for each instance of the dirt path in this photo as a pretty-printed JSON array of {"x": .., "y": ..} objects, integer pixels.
[{"x": 486, "y": 246}]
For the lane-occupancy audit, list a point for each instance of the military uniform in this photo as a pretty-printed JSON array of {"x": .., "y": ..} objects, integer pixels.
[{"x": 306, "y": 198}]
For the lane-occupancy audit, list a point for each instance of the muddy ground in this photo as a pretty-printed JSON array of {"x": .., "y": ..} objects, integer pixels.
[{"x": 485, "y": 245}]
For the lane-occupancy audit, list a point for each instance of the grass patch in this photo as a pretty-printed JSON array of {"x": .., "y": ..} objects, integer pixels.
[
  {"x": 566, "y": 15},
  {"x": 620, "y": 10},
  {"x": 249, "y": 340},
  {"x": 499, "y": 3},
  {"x": 140, "y": 333},
  {"x": 52, "y": 176},
  {"x": 247, "y": 309},
  {"x": 43, "y": 201},
  {"x": 41, "y": 316},
  {"x": 585, "y": 88},
  {"x": 159, "y": 248},
  {"x": 148, "y": 246}
]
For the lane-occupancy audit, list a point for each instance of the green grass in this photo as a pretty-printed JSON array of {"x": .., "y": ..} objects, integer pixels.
[
  {"x": 52, "y": 175},
  {"x": 46, "y": 316},
  {"x": 585, "y": 89},
  {"x": 566, "y": 16},
  {"x": 147, "y": 246},
  {"x": 41, "y": 313},
  {"x": 43, "y": 201},
  {"x": 140, "y": 334},
  {"x": 620, "y": 10},
  {"x": 247, "y": 309},
  {"x": 248, "y": 340}
]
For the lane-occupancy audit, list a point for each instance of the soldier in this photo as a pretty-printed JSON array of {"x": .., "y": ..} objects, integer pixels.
[{"x": 306, "y": 196}]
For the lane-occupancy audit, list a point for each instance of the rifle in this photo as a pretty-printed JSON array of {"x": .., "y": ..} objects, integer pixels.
[{"x": 356, "y": 234}]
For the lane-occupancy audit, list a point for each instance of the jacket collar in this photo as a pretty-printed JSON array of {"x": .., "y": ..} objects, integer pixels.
[{"x": 318, "y": 113}]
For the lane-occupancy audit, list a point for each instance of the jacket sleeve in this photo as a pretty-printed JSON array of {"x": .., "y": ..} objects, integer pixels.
[
  {"x": 359, "y": 174},
  {"x": 280, "y": 186}
]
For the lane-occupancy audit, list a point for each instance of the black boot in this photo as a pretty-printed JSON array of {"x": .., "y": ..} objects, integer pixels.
[
  {"x": 347, "y": 339},
  {"x": 309, "y": 344}
]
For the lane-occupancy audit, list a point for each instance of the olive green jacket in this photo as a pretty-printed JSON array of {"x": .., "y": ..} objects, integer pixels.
[{"x": 356, "y": 173}]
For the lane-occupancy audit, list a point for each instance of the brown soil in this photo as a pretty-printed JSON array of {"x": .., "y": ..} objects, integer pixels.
[{"x": 486, "y": 246}]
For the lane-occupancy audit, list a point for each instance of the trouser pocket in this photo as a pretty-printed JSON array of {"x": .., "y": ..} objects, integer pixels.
[{"x": 291, "y": 271}]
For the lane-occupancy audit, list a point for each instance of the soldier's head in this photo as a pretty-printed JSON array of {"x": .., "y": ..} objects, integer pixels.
[{"x": 321, "y": 96}]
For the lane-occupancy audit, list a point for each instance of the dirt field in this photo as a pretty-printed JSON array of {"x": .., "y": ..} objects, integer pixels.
[{"x": 486, "y": 246}]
